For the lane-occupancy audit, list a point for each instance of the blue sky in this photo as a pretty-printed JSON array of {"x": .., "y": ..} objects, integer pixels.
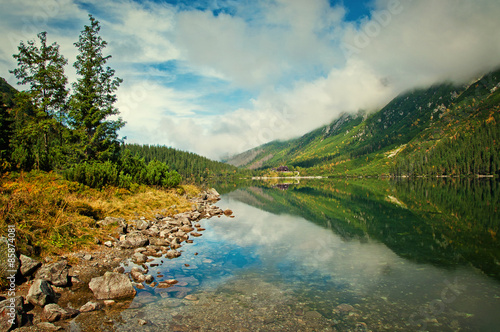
[{"x": 218, "y": 77}]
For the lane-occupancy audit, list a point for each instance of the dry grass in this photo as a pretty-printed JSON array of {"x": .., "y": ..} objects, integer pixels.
[{"x": 55, "y": 216}]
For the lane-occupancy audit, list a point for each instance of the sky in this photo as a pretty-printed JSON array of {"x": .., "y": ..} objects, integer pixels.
[{"x": 219, "y": 77}]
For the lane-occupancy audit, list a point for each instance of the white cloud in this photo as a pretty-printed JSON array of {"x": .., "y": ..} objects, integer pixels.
[{"x": 299, "y": 59}]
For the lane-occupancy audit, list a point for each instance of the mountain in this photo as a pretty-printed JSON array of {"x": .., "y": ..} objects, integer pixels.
[{"x": 453, "y": 128}]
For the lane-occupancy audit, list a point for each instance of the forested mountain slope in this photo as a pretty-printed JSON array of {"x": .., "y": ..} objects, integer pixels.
[{"x": 453, "y": 128}]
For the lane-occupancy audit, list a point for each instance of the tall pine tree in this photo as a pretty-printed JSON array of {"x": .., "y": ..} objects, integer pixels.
[
  {"x": 40, "y": 111},
  {"x": 93, "y": 99}
]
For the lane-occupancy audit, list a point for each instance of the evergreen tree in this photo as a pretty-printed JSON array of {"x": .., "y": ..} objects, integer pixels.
[
  {"x": 40, "y": 111},
  {"x": 93, "y": 99}
]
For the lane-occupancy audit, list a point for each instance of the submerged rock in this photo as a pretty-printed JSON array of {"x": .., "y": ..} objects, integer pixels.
[{"x": 90, "y": 306}]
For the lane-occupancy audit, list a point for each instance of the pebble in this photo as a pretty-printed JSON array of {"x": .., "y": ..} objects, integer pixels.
[{"x": 191, "y": 297}]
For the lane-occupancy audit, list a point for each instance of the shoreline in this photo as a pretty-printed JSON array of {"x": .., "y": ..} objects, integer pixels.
[
  {"x": 287, "y": 177},
  {"x": 50, "y": 294}
]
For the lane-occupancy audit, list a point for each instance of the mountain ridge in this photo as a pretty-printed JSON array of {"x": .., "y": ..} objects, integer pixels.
[{"x": 375, "y": 143}]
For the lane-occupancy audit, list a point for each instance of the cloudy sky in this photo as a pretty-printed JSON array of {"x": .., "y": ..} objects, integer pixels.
[{"x": 218, "y": 77}]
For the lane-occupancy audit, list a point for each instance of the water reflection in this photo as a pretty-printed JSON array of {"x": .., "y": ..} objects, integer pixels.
[{"x": 324, "y": 255}]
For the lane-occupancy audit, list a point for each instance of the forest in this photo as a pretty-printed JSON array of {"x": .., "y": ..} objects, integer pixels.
[{"x": 48, "y": 127}]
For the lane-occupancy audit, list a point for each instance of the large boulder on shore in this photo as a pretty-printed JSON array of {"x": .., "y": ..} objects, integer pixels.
[
  {"x": 11, "y": 313},
  {"x": 53, "y": 312},
  {"x": 55, "y": 273},
  {"x": 112, "y": 285},
  {"x": 133, "y": 240},
  {"x": 40, "y": 293},
  {"x": 28, "y": 265}
]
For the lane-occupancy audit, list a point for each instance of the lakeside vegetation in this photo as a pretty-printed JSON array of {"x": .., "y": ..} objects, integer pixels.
[{"x": 63, "y": 166}]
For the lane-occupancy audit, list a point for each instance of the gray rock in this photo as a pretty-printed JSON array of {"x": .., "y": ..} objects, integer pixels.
[
  {"x": 139, "y": 258},
  {"x": 46, "y": 326},
  {"x": 40, "y": 293},
  {"x": 195, "y": 215},
  {"x": 134, "y": 240},
  {"x": 173, "y": 254},
  {"x": 55, "y": 273},
  {"x": 5, "y": 265},
  {"x": 108, "y": 244},
  {"x": 159, "y": 242},
  {"x": 11, "y": 313},
  {"x": 90, "y": 306},
  {"x": 137, "y": 274},
  {"x": 28, "y": 265},
  {"x": 149, "y": 278},
  {"x": 87, "y": 257},
  {"x": 112, "y": 220},
  {"x": 112, "y": 286},
  {"x": 53, "y": 312},
  {"x": 120, "y": 222},
  {"x": 142, "y": 224},
  {"x": 119, "y": 269}
]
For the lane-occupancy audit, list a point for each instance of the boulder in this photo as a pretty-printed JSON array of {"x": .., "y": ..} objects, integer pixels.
[
  {"x": 195, "y": 215},
  {"x": 90, "y": 306},
  {"x": 53, "y": 312},
  {"x": 173, "y": 254},
  {"x": 112, "y": 285},
  {"x": 139, "y": 258},
  {"x": 55, "y": 273},
  {"x": 133, "y": 240},
  {"x": 152, "y": 231},
  {"x": 11, "y": 313},
  {"x": 28, "y": 265},
  {"x": 159, "y": 242},
  {"x": 40, "y": 293},
  {"x": 138, "y": 276},
  {"x": 187, "y": 228},
  {"x": 142, "y": 224},
  {"x": 212, "y": 195},
  {"x": 46, "y": 326}
]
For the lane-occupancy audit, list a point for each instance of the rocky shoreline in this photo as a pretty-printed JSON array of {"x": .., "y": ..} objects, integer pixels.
[{"x": 49, "y": 295}]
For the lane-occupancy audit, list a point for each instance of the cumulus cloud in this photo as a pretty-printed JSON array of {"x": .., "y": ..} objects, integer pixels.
[
  {"x": 300, "y": 61},
  {"x": 403, "y": 44}
]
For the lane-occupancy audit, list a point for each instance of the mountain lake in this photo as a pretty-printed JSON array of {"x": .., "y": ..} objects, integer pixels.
[{"x": 331, "y": 255}]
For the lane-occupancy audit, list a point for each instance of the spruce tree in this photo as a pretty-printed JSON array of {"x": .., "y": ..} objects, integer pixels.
[
  {"x": 39, "y": 114},
  {"x": 92, "y": 103}
]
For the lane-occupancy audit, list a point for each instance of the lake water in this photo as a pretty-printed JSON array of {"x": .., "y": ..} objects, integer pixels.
[{"x": 326, "y": 255}]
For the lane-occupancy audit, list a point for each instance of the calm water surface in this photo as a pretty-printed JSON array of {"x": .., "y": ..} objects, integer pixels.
[{"x": 336, "y": 255}]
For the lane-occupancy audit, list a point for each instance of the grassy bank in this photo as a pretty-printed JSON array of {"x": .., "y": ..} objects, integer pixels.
[{"x": 55, "y": 216}]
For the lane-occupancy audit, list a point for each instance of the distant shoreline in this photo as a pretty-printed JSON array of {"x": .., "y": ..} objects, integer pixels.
[{"x": 287, "y": 177}]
